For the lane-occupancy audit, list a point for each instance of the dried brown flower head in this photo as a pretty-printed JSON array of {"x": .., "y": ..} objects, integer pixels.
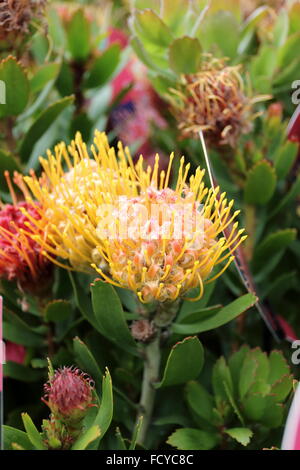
[
  {"x": 213, "y": 100},
  {"x": 16, "y": 15}
]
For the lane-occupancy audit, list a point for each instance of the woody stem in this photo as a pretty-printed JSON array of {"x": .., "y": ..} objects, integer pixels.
[{"x": 150, "y": 376}]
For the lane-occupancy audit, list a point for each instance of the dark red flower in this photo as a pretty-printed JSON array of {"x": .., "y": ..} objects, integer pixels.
[
  {"x": 21, "y": 257},
  {"x": 14, "y": 352}
]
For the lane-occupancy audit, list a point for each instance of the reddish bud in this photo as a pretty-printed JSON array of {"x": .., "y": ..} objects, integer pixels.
[{"x": 69, "y": 395}]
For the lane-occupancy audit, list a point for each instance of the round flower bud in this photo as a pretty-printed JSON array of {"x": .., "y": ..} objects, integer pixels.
[{"x": 69, "y": 394}]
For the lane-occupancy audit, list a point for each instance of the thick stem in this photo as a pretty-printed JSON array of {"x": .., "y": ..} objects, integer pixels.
[{"x": 151, "y": 373}]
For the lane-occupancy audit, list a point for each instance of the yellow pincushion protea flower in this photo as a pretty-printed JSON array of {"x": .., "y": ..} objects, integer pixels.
[
  {"x": 166, "y": 241},
  {"x": 72, "y": 187},
  {"x": 126, "y": 223}
]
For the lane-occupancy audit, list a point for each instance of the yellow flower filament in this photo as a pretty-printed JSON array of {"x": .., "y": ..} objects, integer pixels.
[{"x": 74, "y": 189}]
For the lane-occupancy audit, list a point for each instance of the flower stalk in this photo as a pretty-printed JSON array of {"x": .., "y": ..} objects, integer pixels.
[{"x": 150, "y": 376}]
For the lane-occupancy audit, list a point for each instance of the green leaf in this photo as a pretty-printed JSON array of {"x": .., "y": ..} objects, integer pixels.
[
  {"x": 248, "y": 374},
  {"x": 193, "y": 318},
  {"x": 289, "y": 50},
  {"x": 273, "y": 244},
  {"x": 221, "y": 30},
  {"x": 83, "y": 124},
  {"x": 87, "y": 361},
  {"x": 83, "y": 302},
  {"x": 20, "y": 372},
  {"x": 185, "y": 55},
  {"x": 42, "y": 124},
  {"x": 145, "y": 56},
  {"x": 262, "y": 67},
  {"x": 136, "y": 434},
  {"x": 221, "y": 376},
  {"x": 188, "y": 307},
  {"x": 199, "y": 400},
  {"x": 223, "y": 316},
  {"x": 151, "y": 29},
  {"x": 235, "y": 364},
  {"x": 32, "y": 432},
  {"x": 278, "y": 366},
  {"x": 262, "y": 175},
  {"x": 15, "y": 436},
  {"x": 242, "y": 435},
  {"x": 193, "y": 321},
  {"x": 44, "y": 74},
  {"x": 155, "y": 5},
  {"x": 103, "y": 67},
  {"x": 24, "y": 336},
  {"x": 253, "y": 406},
  {"x": 65, "y": 80},
  {"x": 282, "y": 387},
  {"x": 285, "y": 159},
  {"x": 7, "y": 163},
  {"x": 281, "y": 28},
  {"x": 184, "y": 363},
  {"x": 294, "y": 17},
  {"x": 79, "y": 36},
  {"x": 283, "y": 79},
  {"x": 254, "y": 19},
  {"x": 177, "y": 15},
  {"x": 16, "y": 87},
  {"x": 89, "y": 436},
  {"x": 288, "y": 198},
  {"x": 273, "y": 415},
  {"x": 110, "y": 316},
  {"x": 105, "y": 413},
  {"x": 58, "y": 310},
  {"x": 193, "y": 439},
  {"x": 262, "y": 363},
  {"x": 121, "y": 445}
]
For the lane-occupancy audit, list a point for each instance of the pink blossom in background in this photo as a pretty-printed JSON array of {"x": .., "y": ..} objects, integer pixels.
[
  {"x": 291, "y": 437},
  {"x": 1, "y": 349},
  {"x": 14, "y": 352},
  {"x": 117, "y": 36}
]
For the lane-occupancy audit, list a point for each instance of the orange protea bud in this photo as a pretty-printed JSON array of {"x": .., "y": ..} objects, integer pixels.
[
  {"x": 69, "y": 394},
  {"x": 213, "y": 100},
  {"x": 21, "y": 259},
  {"x": 275, "y": 110},
  {"x": 16, "y": 16}
]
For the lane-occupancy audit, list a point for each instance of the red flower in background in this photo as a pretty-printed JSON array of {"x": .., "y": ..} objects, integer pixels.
[
  {"x": 14, "y": 352},
  {"x": 21, "y": 258},
  {"x": 117, "y": 36}
]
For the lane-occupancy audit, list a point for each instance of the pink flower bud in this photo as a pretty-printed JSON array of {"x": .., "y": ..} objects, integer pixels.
[{"x": 69, "y": 394}]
